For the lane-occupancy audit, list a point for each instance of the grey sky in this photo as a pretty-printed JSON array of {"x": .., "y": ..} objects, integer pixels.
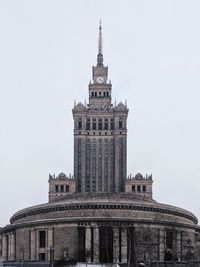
[{"x": 47, "y": 49}]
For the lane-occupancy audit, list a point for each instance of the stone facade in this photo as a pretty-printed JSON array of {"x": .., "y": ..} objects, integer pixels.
[
  {"x": 100, "y": 215},
  {"x": 139, "y": 185},
  {"x": 136, "y": 227},
  {"x": 100, "y": 136},
  {"x": 60, "y": 185}
]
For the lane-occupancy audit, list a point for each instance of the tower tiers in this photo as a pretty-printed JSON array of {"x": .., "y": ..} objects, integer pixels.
[{"x": 100, "y": 136}]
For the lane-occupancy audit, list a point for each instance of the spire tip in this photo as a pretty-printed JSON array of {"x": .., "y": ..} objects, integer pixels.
[{"x": 100, "y": 52}]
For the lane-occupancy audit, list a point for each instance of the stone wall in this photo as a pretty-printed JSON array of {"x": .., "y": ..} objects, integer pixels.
[
  {"x": 66, "y": 238},
  {"x": 149, "y": 242}
]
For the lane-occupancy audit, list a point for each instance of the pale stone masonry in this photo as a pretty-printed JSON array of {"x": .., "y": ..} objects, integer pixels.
[
  {"x": 62, "y": 185},
  {"x": 100, "y": 136},
  {"x": 100, "y": 215}
]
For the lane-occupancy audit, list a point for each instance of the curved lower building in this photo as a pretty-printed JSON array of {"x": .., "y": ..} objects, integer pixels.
[
  {"x": 102, "y": 227},
  {"x": 100, "y": 214}
]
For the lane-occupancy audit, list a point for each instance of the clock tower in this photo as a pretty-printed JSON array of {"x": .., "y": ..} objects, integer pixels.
[
  {"x": 100, "y": 89},
  {"x": 100, "y": 136}
]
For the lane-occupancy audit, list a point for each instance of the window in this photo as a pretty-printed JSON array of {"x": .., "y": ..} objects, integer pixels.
[
  {"x": 94, "y": 124},
  {"x": 56, "y": 188},
  {"x": 133, "y": 188},
  {"x": 41, "y": 256},
  {"x": 107, "y": 94},
  {"x": 138, "y": 188},
  {"x": 112, "y": 124},
  {"x": 106, "y": 124},
  {"x": 92, "y": 94},
  {"x": 144, "y": 188},
  {"x": 120, "y": 123},
  {"x": 104, "y": 94},
  {"x": 169, "y": 239},
  {"x": 88, "y": 124},
  {"x": 62, "y": 188},
  {"x": 42, "y": 239},
  {"x": 67, "y": 188},
  {"x": 79, "y": 123},
  {"x": 100, "y": 93},
  {"x": 100, "y": 124},
  {"x": 95, "y": 94}
]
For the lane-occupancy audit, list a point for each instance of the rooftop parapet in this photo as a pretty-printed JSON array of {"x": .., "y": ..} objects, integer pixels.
[
  {"x": 61, "y": 176},
  {"x": 139, "y": 176}
]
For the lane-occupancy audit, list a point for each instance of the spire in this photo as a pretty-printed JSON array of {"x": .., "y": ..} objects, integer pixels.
[
  {"x": 100, "y": 53},
  {"x": 100, "y": 39}
]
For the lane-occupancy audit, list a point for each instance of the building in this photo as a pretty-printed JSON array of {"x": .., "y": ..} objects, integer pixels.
[
  {"x": 100, "y": 136},
  {"x": 100, "y": 214}
]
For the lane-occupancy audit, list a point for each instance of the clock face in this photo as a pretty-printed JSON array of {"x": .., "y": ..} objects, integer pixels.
[{"x": 99, "y": 79}]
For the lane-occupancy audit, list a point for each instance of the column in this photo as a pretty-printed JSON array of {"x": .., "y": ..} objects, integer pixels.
[
  {"x": 12, "y": 247},
  {"x": 88, "y": 239},
  {"x": 124, "y": 245},
  {"x": 50, "y": 243},
  {"x": 5, "y": 248},
  {"x": 178, "y": 246},
  {"x": 161, "y": 244},
  {"x": 33, "y": 245},
  {"x": 96, "y": 245},
  {"x": 9, "y": 246},
  {"x": 116, "y": 244}
]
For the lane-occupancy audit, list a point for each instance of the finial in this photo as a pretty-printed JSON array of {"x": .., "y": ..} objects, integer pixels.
[{"x": 126, "y": 102}]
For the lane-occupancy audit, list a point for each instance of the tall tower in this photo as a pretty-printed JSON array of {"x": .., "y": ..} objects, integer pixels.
[{"x": 100, "y": 136}]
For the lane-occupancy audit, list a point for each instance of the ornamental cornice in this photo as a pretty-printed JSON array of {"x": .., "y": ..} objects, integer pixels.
[{"x": 55, "y": 207}]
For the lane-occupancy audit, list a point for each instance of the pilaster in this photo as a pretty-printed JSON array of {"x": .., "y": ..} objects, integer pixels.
[
  {"x": 116, "y": 244},
  {"x": 5, "y": 248},
  {"x": 96, "y": 244},
  {"x": 178, "y": 246},
  {"x": 12, "y": 247},
  {"x": 49, "y": 242},
  {"x": 124, "y": 245},
  {"x": 161, "y": 244},
  {"x": 88, "y": 239},
  {"x": 33, "y": 245}
]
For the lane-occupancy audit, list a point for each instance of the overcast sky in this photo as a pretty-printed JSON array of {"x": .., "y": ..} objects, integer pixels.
[{"x": 47, "y": 49}]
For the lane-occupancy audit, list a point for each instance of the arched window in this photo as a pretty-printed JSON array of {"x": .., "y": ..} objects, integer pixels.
[
  {"x": 107, "y": 94},
  {"x": 80, "y": 124},
  {"x": 120, "y": 123},
  {"x": 92, "y": 94},
  {"x": 104, "y": 94},
  {"x": 95, "y": 94}
]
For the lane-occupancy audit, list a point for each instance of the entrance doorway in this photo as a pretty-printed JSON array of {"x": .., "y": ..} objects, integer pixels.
[{"x": 105, "y": 244}]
